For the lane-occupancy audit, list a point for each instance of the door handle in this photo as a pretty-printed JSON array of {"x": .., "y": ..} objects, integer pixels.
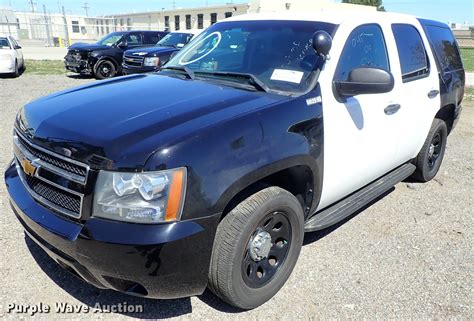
[
  {"x": 432, "y": 94},
  {"x": 392, "y": 109}
]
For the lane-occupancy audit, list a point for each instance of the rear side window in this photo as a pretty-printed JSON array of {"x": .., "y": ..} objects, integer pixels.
[
  {"x": 411, "y": 51},
  {"x": 151, "y": 38},
  {"x": 134, "y": 39},
  {"x": 445, "y": 48},
  {"x": 365, "y": 47}
]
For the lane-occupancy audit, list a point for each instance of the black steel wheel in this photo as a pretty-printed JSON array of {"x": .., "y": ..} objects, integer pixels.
[
  {"x": 105, "y": 69},
  {"x": 256, "y": 248},
  {"x": 431, "y": 154},
  {"x": 267, "y": 249}
]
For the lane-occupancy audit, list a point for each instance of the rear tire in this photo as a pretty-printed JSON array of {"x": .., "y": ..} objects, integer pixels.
[
  {"x": 431, "y": 155},
  {"x": 256, "y": 248},
  {"x": 105, "y": 69}
]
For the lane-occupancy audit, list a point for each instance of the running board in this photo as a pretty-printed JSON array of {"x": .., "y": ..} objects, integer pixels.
[{"x": 347, "y": 206}]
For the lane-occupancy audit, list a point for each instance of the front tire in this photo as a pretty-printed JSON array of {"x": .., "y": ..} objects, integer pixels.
[
  {"x": 256, "y": 248},
  {"x": 431, "y": 155},
  {"x": 16, "y": 72},
  {"x": 105, "y": 69}
]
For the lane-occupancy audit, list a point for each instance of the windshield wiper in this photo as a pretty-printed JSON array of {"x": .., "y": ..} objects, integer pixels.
[
  {"x": 250, "y": 79},
  {"x": 188, "y": 72}
]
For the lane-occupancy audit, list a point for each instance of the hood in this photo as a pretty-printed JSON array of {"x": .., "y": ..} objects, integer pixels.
[
  {"x": 126, "y": 119},
  {"x": 149, "y": 51},
  {"x": 87, "y": 46}
]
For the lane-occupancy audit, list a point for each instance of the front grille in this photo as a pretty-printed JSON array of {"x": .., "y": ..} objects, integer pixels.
[
  {"x": 55, "y": 161},
  {"x": 133, "y": 61},
  {"x": 66, "y": 201},
  {"x": 52, "y": 179},
  {"x": 76, "y": 54}
]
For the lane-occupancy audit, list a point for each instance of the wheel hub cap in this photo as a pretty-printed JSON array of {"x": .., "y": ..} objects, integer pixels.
[
  {"x": 260, "y": 246},
  {"x": 431, "y": 151}
]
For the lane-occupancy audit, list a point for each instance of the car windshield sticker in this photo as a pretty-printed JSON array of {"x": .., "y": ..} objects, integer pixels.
[
  {"x": 201, "y": 48},
  {"x": 287, "y": 75}
]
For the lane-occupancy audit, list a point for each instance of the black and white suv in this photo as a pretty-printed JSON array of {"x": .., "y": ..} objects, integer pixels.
[{"x": 209, "y": 172}]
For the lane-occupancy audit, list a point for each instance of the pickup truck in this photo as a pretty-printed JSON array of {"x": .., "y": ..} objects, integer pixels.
[{"x": 266, "y": 127}]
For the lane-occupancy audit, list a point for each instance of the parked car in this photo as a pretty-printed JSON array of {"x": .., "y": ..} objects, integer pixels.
[
  {"x": 103, "y": 59},
  {"x": 255, "y": 138},
  {"x": 153, "y": 58},
  {"x": 11, "y": 56}
]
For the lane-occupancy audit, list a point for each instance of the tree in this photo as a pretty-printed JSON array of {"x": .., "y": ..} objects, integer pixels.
[{"x": 374, "y": 3}]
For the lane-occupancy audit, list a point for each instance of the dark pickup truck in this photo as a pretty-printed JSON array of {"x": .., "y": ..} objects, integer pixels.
[
  {"x": 209, "y": 172},
  {"x": 153, "y": 58},
  {"x": 103, "y": 59}
]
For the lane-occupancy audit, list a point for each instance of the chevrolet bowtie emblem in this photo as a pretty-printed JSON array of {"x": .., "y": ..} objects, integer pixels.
[{"x": 28, "y": 168}]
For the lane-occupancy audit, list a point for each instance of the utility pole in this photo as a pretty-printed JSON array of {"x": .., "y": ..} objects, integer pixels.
[
  {"x": 66, "y": 30},
  {"x": 86, "y": 7},
  {"x": 32, "y": 5},
  {"x": 46, "y": 24},
  {"x": 174, "y": 5},
  {"x": 8, "y": 25}
]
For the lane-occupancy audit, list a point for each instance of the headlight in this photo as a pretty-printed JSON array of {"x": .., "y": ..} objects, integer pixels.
[
  {"x": 148, "y": 197},
  {"x": 151, "y": 61},
  {"x": 5, "y": 57}
]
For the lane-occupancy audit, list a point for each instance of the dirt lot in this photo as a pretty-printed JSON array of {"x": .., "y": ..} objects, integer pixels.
[{"x": 410, "y": 255}]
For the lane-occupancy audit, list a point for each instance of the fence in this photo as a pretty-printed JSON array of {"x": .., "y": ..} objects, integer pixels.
[{"x": 466, "y": 42}]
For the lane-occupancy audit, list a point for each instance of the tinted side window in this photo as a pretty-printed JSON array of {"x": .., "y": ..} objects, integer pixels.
[
  {"x": 411, "y": 51},
  {"x": 151, "y": 38},
  {"x": 134, "y": 39},
  {"x": 365, "y": 47},
  {"x": 445, "y": 48}
]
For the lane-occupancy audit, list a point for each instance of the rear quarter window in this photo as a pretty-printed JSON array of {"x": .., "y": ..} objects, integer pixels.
[
  {"x": 445, "y": 48},
  {"x": 411, "y": 51}
]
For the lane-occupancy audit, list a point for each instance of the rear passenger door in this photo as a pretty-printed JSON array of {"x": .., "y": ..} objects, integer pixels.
[{"x": 418, "y": 86}]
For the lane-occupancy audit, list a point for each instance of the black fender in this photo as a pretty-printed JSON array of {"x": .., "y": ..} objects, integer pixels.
[{"x": 225, "y": 158}]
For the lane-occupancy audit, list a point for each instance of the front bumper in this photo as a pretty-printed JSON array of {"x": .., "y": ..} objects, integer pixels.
[
  {"x": 7, "y": 66},
  {"x": 158, "y": 261},
  {"x": 78, "y": 66}
]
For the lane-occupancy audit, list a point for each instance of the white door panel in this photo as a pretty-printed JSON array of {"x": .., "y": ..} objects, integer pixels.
[
  {"x": 418, "y": 109},
  {"x": 360, "y": 139}
]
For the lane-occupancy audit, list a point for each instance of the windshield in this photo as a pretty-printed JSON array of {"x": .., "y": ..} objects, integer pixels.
[
  {"x": 278, "y": 54},
  {"x": 4, "y": 43},
  {"x": 175, "y": 40},
  {"x": 111, "y": 39}
]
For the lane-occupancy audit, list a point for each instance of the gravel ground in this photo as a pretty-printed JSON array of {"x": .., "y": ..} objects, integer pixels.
[{"x": 409, "y": 255}]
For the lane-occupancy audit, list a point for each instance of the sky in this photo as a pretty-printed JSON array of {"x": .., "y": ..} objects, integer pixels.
[{"x": 443, "y": 10}]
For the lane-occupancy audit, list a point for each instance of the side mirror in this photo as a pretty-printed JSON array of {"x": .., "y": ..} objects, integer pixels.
[
  {"x": 122, "y": 44},
  {"x": 322, "y": 42},
  {"x": 17, "y": 47},
  {"x": 365, "y": 80}
]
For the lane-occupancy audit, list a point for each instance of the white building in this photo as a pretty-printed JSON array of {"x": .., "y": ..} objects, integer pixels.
[
  {"x": 8, "y": 23},
  {"x": 56, "y": 29}
]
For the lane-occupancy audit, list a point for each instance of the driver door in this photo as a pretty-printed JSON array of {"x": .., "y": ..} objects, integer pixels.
[{"x": 360, "y": 136}]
